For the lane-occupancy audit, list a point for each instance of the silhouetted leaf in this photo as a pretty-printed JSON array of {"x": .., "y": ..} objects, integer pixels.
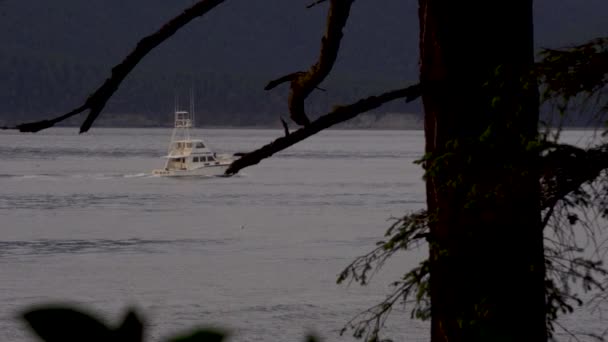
[
  {"x": 131, "y": 329},
  {"x": 204, "y": 335},
  {"x": 58, "y": 324},
  {"x": 312, "y": 338}
]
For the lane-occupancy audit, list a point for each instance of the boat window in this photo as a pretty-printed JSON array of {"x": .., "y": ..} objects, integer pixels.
[
  {"x": 210, "y": 159},
  {"x": 188, "y": 145},
  {"x": 200, "y": 145},
  {"x": 195, "y": 159}
]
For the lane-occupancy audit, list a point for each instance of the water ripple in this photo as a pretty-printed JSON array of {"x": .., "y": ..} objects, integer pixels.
[
  {"x": 50, "y": 202},
  {"x": 43, "y": 152},
  {"x": 53, "y": 247}
]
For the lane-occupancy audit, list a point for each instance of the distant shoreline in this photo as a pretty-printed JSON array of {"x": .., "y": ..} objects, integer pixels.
[
  {"x": 263, "y": 127},
  {"x": 406, "y": 125},
  {"x": 398, "y": 121}
]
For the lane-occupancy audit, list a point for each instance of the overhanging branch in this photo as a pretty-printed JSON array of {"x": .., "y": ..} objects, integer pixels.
[
  {"x": 339, "y": 114},
  {"x": 97, "y": 101},
  {"x": 317, "y": 2},
  {"x": 566, "y": 168},
  {"x": 303, "y": 83}
]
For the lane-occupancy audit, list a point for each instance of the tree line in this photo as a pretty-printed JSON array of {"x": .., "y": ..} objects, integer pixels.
[{"x": 37, "y": 87}]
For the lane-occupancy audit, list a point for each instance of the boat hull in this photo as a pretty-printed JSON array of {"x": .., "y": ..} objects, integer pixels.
[{"x": 207, "y": 171}]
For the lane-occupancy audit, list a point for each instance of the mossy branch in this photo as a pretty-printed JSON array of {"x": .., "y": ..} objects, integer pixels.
[{"x": 303, "y": 83}]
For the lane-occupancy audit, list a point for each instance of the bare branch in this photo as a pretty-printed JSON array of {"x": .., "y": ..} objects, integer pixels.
[
  {"x": 287, "y": 78},
  {"x": 304, "y": 83},
  {"x": 285, "y": 127},
  {"x": 317, "y": 2},
  {"x": 44, "y": 124},
  {"x": 97, "y": 101},
  {"x": 339, "y": 114}
]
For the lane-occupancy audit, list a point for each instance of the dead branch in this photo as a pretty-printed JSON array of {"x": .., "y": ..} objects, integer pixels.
[
  {"x": 339, "y": 114},
  {"x": 285, "y": 126},
  {"x": 303, "y": 83},
  {"x": 97, "y": 101},
  {"x": 281, "y": 80},
  {"x": 317, "y": 2}
]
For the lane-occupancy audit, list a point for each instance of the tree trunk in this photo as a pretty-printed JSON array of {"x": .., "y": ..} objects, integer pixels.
[{"x": 481, "y": 114}]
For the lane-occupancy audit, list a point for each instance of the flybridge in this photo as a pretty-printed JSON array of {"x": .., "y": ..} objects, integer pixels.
[{"x": 183, "y": 120}]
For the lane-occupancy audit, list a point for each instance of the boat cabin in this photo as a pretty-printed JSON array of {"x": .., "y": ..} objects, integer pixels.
[{"x": 188, "y": 154}]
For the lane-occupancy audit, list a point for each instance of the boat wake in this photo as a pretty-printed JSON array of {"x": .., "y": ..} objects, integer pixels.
[
  {"x": 96, "y": 176},
  {"x": 100, "y": 176},
  {"x": 138, "y": 175}
]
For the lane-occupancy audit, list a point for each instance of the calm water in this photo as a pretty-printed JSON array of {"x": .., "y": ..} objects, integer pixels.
[
  {"x": 258, "y": 253},
  {"x": 84, "y": 223}
]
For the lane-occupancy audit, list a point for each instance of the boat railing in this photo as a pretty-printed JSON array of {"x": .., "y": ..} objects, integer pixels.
[
  {"x": 180, "y": 152},
  {"x": 183, "y": 120}
]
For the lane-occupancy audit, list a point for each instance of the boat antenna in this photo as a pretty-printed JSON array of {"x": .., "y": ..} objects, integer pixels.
[{"x": 192, "y": 106}]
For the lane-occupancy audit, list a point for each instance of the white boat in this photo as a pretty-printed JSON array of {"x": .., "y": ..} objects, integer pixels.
[{"x": 191, "y": 157}]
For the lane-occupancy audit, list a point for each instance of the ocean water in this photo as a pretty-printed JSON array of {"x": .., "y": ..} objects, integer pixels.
[{"x": 84, "y": 223}]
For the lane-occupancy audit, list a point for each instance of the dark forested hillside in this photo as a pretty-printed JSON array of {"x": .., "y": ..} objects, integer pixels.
[{"x": 53, "y": 53}]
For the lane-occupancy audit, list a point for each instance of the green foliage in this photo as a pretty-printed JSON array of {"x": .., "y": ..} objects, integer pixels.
[
  {"x": 404, "y": 234},
  {"x": 568, "y": 210},
  {"x": 567, "y": 260},
  {"x": 574, "y": 195},
  {"x": 574, "y": 71},
  {"x": 575, "y": 78}
]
